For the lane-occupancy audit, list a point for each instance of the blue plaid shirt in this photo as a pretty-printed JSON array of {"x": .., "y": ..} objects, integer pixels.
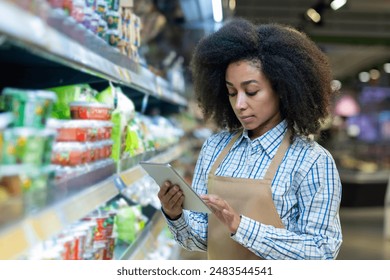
[{"x": 306, "y": 191}]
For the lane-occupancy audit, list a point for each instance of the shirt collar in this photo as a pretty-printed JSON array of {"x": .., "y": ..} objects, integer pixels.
[{"x": 269, "y": 141}]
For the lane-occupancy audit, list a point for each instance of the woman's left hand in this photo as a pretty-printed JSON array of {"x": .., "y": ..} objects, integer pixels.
[{"x": 223, "y": 211}]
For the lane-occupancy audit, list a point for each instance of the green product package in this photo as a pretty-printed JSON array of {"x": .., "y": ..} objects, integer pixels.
[
  {"x": 126, "y": 224},
  {"x": 132, "y": 142},
  {"x": 68, "y": 94},
  {"x": 116, "y": 135},
  {"x": 30, "y": 108},
  {"x": 106, "y": 96},
  {"x": 23, "y": 146}
]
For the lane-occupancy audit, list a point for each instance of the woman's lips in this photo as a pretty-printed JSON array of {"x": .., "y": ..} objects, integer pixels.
[{"x": 247, "y": 119}]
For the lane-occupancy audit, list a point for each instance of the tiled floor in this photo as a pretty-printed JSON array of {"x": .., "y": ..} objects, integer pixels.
[{"x": 362, "y": 233}]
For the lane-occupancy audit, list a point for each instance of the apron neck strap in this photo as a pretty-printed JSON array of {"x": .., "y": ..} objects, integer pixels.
[
  {"x": 273, "y": 167},
  {"x": 224, "y": 152}
]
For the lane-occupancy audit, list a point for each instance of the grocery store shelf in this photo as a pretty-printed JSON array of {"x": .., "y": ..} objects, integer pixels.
[
  {"x": 48, "y": 50},
  {"x": 89, "y": 54},
  {"x": 44, "y": 224},
  {"x": 76, "y": 198}
]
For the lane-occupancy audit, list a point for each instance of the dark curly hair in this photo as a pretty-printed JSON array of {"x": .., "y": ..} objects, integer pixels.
[{"x": 297, "y": 69}]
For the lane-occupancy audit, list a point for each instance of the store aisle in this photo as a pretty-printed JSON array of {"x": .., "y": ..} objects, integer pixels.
[{"x": 363, "y": 236}]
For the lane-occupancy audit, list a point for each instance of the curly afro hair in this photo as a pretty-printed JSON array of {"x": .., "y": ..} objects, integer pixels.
[{"x": 297, "y": 69}]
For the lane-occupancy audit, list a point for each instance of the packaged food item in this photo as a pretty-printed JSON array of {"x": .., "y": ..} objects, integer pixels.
[
  {"x": 102, "y": 28},
  {"x": 112, "y": 37},
  {"x": 70, "y": 153},
  {"x": 5, "y": 121},
  {"x": 94, "y": 149},
  {"x": 28, "y": 184},
  {"x": 49, "y": 137},
  {"x": 103, "y": 225},
  {"x": 78, "y": 10},
  {"x": 11, "y": 199},
  {"x": 106, "y": 148},
  {"x": 88, "y": 13},
  {"x": 104, "y": 130},
  {"x": 68, "y": 94},
  {"x": 101, "y": 8},
  {"x": 30, "y": 108},
  {"x": 35, "y": 188},
  {"x": 75, "y": 130},
  {"x": 112, "y": 18},
  {"x": 128, "y": 223},
  {"x": 11, "y": 207},
  {"x": 23, "y": 145},
  {"x": 95, "y": 23},
  {"x": 90, "y": 110},
  {"x": 110, "y": 246},
  {"x": 10, "y": 180}
]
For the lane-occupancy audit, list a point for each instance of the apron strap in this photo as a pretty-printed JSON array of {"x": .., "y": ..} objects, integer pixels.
[
  {"x": 224, "y": 152},
  {"x": 274, "y": 165}
]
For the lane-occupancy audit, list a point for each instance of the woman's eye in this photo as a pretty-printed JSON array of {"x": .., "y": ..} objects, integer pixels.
[
  {"x": 231, "y": 94},
  {"x": 251, "y": 93}
]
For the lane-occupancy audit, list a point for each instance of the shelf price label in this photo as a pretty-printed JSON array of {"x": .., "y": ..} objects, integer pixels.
[
  {"x": 127, "y": 76},
  {"x": 159, "y": 90},
  {"x": 46, "y": 224},
  {"x": 13, "y": 243}
]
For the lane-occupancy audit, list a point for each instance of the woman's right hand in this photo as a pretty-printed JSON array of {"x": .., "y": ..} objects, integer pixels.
[{"x": 172, "y": 198}]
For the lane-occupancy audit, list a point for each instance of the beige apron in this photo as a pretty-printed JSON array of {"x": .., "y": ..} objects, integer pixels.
[{"x": 249, "y": 197}]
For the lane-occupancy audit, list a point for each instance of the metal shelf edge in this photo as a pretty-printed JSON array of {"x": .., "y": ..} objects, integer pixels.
[{"x": 50, "y": 43}]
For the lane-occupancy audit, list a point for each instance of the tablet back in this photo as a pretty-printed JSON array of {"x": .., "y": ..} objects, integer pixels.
[{"x": 162, "y": 172}]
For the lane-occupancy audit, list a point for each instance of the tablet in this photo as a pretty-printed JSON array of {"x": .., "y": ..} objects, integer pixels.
[{"x": 162, "y": 172}]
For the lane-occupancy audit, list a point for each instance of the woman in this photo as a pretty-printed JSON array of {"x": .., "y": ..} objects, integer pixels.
[{"x": 274, "y": 192}]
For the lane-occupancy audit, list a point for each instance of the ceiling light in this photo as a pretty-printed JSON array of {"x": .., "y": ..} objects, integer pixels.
[
  {"x": 232, "y": 5},
  {"x": 386, "y": 67},
  {"x": 336, "y": 85},
  {"x": 313, "y": 15},
  {"x": 217, "y": 10},
  {"x": 347, "y": 106},
  {"x": 364, "y": 77},
  {"x": 337, "y": 4},
  {"x": 375, "y": 74}
]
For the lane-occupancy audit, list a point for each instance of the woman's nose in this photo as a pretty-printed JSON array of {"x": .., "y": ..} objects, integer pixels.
[{"x": 241, "y": 102}]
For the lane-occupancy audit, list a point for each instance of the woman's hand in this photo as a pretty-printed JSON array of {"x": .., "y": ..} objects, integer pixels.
[
  {"x": 172, "y": 198},
  {"x": 223, "y": 211}
]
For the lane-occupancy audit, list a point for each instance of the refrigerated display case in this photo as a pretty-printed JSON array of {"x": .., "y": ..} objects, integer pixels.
[{"x": 41, "y": 49}]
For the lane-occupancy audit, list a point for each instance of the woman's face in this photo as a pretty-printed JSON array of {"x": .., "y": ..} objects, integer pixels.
[{"x": 254, "y": 102}]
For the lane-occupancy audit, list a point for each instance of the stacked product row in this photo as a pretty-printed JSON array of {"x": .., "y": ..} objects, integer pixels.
[
  {"x": 25, "y": 150},
  {"x": 93, "y": 237},
  {"x": 63, "y": 132},
  {"x": 83, "y": 141},
  {"x": 111, "y": 20}
]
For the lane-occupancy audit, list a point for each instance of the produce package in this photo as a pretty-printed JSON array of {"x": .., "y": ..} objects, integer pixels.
[
  {"x": 30, "y": 108},
  {"x": 68, "y": 94}
]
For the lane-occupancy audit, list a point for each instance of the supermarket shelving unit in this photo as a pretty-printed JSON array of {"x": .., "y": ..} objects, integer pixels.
[{"x": 41, "y": 49}]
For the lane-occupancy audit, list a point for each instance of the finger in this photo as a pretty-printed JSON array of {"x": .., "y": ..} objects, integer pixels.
[
  {"x": 165, "y": 187},
  {"x": 228, "y": 216},
  {"x": 173, "y": 190},
  {"x": 174, "y": 201},
  {"x": 171, "y": 194},
  {"x": 217, "y": 204}
]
